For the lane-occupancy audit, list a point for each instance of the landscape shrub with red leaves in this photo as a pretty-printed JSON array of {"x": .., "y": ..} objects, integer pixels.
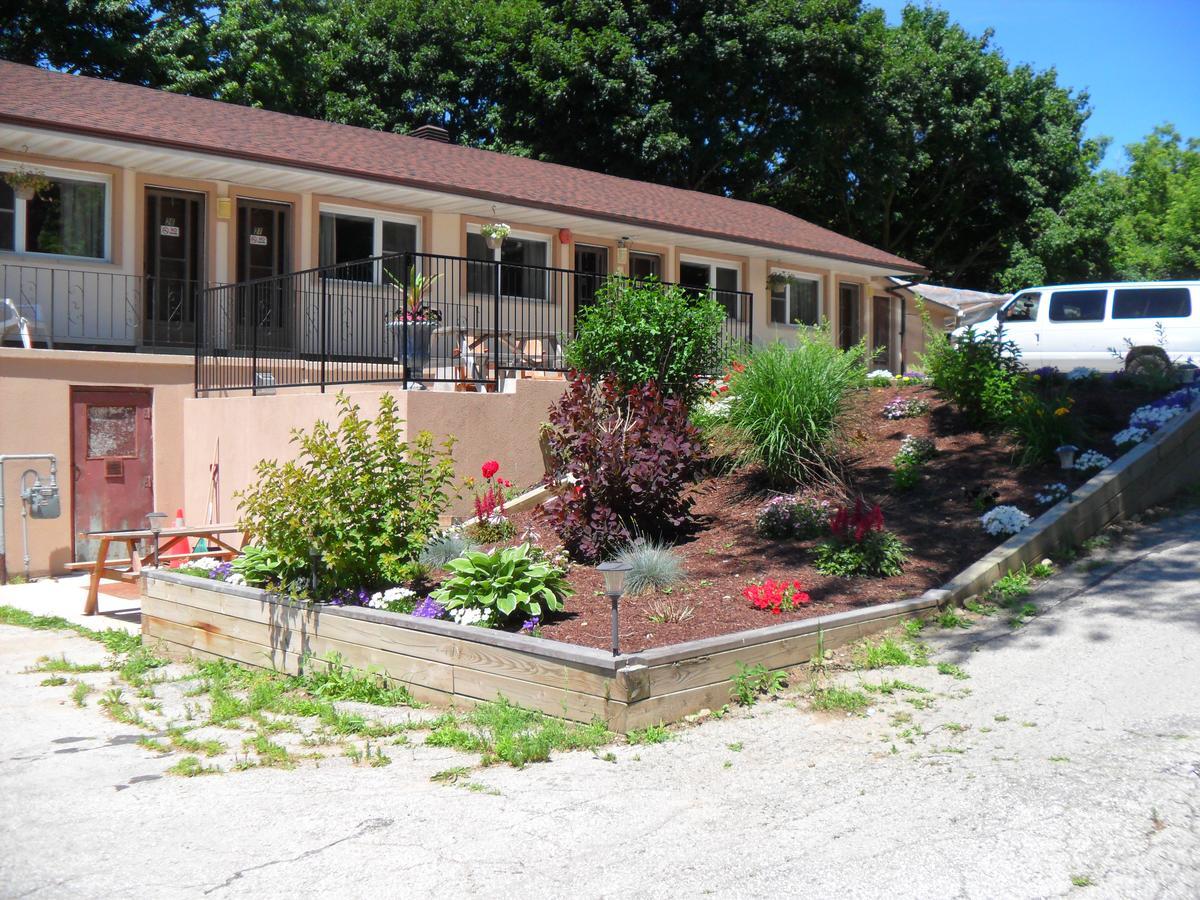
[{"x": 632, "y": 453}]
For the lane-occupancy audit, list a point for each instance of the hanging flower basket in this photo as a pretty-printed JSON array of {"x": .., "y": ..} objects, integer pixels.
[
  {"x": 26, "y": 183},
  {"x": 495, "y": 234}
]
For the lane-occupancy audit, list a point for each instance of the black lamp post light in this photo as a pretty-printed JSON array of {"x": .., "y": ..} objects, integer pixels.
[
  {"x": 156, "y": 523},
  {"x": 614, "y": 586}
]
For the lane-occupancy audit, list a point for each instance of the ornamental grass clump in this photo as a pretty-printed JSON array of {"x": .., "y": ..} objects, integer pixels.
[
  {"x": 789, "y": 406},
  {"x": 630, "y": 455},
  {"x": 654, "y": 565},
  {"x": 358, "y": 502},
  {"x": 860, "y": 545}
]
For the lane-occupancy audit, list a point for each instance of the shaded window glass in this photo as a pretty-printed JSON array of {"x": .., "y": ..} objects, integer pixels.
[
  {"x": 1077, "y": 306},
  {"x": 779, "y": 305},
  {"x": 398, "y": 238},
  {"x": 1152, "y": 303},
  {"x": 480, "y": 274},
  {"x": 8, "y": 217},
  {"x": 516, "y": 279},
  {"x": 806, "y": 302},
  {"x": 67, "y": 219},
  {"x": 645, "y": 265},
  {"x": 345, "y": 242}
]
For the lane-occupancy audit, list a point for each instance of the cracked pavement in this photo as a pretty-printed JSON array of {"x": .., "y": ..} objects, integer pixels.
[{"x": 1072, "y": 751}]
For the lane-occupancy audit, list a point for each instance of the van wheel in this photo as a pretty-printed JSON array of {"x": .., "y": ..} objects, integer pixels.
[{"x": 1147, "y": 361}]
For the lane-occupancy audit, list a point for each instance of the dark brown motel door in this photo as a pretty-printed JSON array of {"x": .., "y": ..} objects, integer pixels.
[{"x": 263, "y": 250}]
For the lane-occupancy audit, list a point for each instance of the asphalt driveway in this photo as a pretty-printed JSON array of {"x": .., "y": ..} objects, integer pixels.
[{"x": 1066, "y": 762}]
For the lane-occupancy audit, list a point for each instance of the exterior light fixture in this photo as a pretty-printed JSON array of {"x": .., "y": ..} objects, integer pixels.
[
  {"x": 156, "y": 524},
  {"x": 1066, "y": 455},
  {"x": 614, "y": 586}
]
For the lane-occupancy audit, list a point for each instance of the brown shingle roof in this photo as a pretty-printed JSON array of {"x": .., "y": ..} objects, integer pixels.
[{"x": 37, "y": 97}]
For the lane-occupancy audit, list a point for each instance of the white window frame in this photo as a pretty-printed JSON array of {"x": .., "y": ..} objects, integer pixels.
[
  {"x": 790, "y": 301},
  {"x": 19, "y": 213},
  {"x": 378, "y": 217},
  {"x": 524, "y": 236},
  {"x": 713, "y": 265}
]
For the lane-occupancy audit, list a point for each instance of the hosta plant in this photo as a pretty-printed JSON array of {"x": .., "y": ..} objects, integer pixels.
[{"x": 503, "y": 584}]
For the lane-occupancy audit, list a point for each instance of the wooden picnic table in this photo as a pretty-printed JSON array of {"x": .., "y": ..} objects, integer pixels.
[{"x": 103, "y": 567}]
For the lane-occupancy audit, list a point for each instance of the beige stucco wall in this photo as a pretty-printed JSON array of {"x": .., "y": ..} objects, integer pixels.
[
  {"x": 237, "y": 432},
  {"x": 35, "y": 417}
]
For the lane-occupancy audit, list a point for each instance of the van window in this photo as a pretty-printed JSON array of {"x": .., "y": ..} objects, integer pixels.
[
  {"x": 1024, "y": 308},
  {"x": 1077, "y": 306},
  {"x": 1152, "y": 303}
]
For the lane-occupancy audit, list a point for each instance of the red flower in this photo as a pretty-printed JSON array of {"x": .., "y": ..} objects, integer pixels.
[
  {"x": 490, "y": 468},
  {"x": 738, "y": 367}
]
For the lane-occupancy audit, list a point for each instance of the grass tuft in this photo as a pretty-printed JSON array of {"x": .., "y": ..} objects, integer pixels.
[{"x": 839, "y": 699}]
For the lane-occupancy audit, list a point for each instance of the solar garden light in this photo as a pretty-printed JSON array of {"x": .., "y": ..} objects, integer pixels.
[
  {"x": 614, "y": 586},
  {"x": 156, "y": 523},
  {"x": 1066, "y": 455}
]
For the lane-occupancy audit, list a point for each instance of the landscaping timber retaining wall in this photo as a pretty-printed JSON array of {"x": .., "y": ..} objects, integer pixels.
[
  {"x": 446, "y": 663},
  {"x": 442, "y": 662}
]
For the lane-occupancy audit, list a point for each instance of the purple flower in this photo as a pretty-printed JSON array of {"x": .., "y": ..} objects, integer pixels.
[
  {"x": 350, "y": 597},
  {"x": 1046, "y": 372},
  {"x": 221, "y": 572},
  {"x": 916, "y": 376},
  {"x": 429, "y": 609},
  {"x": 529, "y": 626}
]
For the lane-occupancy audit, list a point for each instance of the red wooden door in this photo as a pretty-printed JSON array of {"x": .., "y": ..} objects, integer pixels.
[{"x": 112, "y": 458}]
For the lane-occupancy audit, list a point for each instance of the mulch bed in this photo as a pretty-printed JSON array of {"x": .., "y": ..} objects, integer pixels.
[{"x": 937, "y": 522}]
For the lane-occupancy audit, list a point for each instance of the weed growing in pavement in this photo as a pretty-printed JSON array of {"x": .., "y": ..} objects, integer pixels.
[
  {"x": 79, "y": 693},
  {"x": 500, "y": 731},
  {"x": 751, "y": 682},
  {"x": 1082, "y": 881},
  {"x": 451, "y": 775},
  {"x": 945, "y": 668},
  {"x": 53, "y": 681},
  {"x": 913, "y": 628},
  {"x": 892, "y": 686},
  {"x": 180, "y": 741},
  {"x": 888, "y": 652},
  {"x": 950, "y": 618},
  {"x": 337, "y": 681},
  {"x": 651, "y": 734},
  {"x": 190, "y": 767},
  {"x": 735, "y": 747},
  {"x": 118, "y": 708},
  {"x": 155, "y": 746},
  {"x": 62, "y": 664},
  {"x": 838, "y": 699}
]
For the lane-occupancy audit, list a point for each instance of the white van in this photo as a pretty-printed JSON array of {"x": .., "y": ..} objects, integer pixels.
[{"x": 1146, "y": 323}]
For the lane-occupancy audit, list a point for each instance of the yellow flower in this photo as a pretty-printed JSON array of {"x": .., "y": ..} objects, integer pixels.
[{"x": 1061, "y": 411}]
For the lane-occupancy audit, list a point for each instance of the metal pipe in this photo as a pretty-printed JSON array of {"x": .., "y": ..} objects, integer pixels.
[{"x": 6, "y": 457}]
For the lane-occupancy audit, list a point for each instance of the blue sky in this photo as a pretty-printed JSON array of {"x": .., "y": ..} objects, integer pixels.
[{"x": 1138, "y": 59}]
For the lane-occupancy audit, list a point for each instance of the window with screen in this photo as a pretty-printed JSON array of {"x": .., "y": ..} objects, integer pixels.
[
  {"x": 1078, "y": 306},
  {"x": 1152, "y": 303}
]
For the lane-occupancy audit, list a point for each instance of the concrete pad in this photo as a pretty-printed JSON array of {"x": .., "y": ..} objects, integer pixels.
[{"x": 66, "y": 596}]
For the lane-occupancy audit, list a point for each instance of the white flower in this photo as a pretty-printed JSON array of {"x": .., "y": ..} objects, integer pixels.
[
  {"x": 880, "y": 373},
  {"x": 1131, "y": 435},
  {"x": 382, "y": 599},
  {"x": 471, "y": 616},
  {"x": 1004, "y": 520},
  {"x": 1052, "y": 493},
  {"x": 1080, "y": 373},
  {"x": 235, "y": 578},
  {"x": 1153, "y": 417},
  {"x": 1091, "y": 461},
  {"x": 207, "y": 563}
]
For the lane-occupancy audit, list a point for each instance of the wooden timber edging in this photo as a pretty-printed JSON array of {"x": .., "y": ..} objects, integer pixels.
[
  {"x": 442, "y": 662},
  {"x": 1161, "y": 465}
]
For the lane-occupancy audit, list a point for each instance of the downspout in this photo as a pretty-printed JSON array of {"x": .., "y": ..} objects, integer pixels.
[{"x": 903, "y": 315}]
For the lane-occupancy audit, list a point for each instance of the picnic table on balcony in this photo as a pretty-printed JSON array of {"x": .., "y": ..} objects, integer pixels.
[{"x": 130, "y": 568}]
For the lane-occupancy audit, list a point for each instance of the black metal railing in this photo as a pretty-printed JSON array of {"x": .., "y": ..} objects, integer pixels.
[
  {"x": 409, "y": 317},
  {"x": 90, "y": 308}
]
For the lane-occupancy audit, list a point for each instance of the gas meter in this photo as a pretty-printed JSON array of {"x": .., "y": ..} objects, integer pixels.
[{"x": 42, "y": 496}]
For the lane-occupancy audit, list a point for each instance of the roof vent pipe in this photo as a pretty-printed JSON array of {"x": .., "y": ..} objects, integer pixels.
[{"x": 431, "y": 133}]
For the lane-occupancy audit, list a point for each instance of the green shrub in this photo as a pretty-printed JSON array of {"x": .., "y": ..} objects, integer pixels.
[
  {"x": 508, "y": 581},
  {"x": 358, "y": 495},
  {"x": 644, "y": 331},
  {"x": 913, "y": 454},
  {"x": 788, "y": 404},
  {"x": 880, "y": 554},
  {"x": 654, "y": 566},
  {"x": 979, "y": 373},
  {"x": 1042, "y": 421}
]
